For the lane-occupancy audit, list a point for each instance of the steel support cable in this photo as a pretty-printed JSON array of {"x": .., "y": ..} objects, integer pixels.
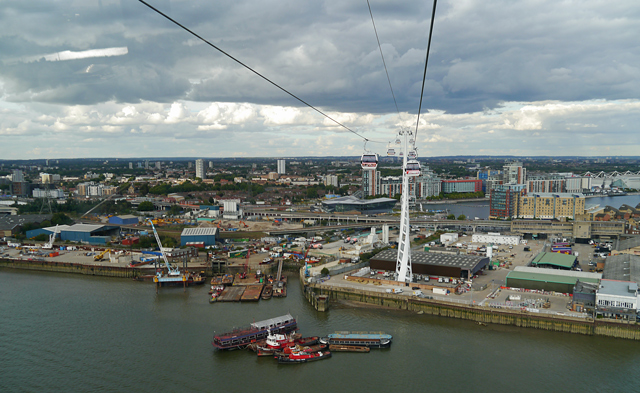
[
  {"x": 381, "y": 55},
  {"x": 424, "y": 77},
  {"x": 250, "y": 69}
]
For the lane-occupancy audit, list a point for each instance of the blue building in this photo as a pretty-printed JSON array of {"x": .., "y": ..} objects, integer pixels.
[
  {"x": 46, "y": 231},
  {"x": 198, "y": 236},
  {"x": 124, "y": 220},
  {"x": 90, "y": 234}
]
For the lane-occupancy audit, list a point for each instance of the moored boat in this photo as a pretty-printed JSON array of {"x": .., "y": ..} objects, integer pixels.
[
  {"x": 298, "y": 348},
  {"x": 362, "y": 339},
  {"x": 348, "y": 348},
  {"x": 241, "y": 338},
  {"x": 267, "y": 292},
  {"x": 303, "y": 357}
]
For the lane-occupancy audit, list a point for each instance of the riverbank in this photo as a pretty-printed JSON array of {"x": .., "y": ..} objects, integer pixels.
[{"x": 321, "y": 296}]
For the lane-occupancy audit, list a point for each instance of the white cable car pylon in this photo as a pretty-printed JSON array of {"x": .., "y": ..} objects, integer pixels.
[{"x": 411, "y": 168}]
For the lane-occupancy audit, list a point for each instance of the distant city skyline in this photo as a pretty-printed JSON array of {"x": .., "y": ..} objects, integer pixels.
[{"x": 114, "y": 79}]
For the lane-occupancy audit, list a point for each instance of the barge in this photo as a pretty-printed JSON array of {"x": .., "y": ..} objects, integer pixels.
[
  {"x": 361, "y": 339},
  {"x": 241, "y": 338}
]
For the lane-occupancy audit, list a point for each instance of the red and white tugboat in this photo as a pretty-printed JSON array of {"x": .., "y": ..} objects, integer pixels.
[{"x": 303, "y": 357}]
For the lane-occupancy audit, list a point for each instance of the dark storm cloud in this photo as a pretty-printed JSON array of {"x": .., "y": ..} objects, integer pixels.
[{"x": 483, "y": 53}]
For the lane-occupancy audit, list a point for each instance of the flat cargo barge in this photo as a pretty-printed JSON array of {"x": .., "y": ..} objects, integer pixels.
[
  {"x": 252, "y": 293},
  {"x": 241, "y": 338},
  {"x": 362, "y": 339},
  {"x": 231, "y": 294}
]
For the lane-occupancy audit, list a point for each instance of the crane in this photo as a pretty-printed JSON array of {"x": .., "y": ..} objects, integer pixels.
[
  {"x": 52, "y": 238},
  {"x": 173, "y": 271}
]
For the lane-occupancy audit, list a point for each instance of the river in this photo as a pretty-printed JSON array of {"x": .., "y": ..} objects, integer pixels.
[
  {"x": 62, "y": 332},
  {"x": 480, "y": 209}
]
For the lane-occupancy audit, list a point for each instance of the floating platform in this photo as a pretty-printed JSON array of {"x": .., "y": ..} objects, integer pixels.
[
  {"x": 348, "y": 348},
  {"x": 252, "y": 293},
  {"x": 231, "y": 294},
  {"x": 225, "y": 279}
]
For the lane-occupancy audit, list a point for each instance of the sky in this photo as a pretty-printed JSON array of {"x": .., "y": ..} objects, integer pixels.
[{"x": 112, "y": 78}]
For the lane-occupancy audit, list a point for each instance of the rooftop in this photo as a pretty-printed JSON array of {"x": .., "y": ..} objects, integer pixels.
[
  {"x": 552, "y": 275},
  {"x": 555, "y": 259},
  {"x": 356, "y": 201},
  {"x": 623, "y": 267},
  {"x": 199, "y": 231},
  {"x": 465, "y": 262},
  {"x": 618, "y": 288},
  {"x": 83, "y": 228},
  {"x": 10, "y": 222}
]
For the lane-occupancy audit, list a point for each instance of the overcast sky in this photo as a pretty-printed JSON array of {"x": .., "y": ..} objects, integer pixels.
[{"x": 111, "y": 78}]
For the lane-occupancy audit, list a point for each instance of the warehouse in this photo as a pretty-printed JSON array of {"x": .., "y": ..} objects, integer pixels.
[
  {"x": 555, "y": 260},
  {"x": 202, "y": 237},
  {"x": 90, "y": 234},
  {"x": 436, "y": 264},
  {"x": 495, "y": 238},
  {"x": 11, "y": 225},
  {"x": 46, "y": 231},
  {"x": 127, "y": 219},
  {"x": 548, "y": 279}
]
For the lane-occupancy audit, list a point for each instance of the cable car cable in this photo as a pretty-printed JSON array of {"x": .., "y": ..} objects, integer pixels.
[
  {"x": 424, "y": 77},
  {"x": 383, "y": 62},
  {"x": 250, "y": 69}
]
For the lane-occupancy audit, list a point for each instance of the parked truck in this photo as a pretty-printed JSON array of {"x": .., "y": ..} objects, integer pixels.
[{"x": 440, "y": 291}]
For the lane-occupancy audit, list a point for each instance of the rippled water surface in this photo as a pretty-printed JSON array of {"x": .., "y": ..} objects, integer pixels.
[{"x": 76, "y": 333}]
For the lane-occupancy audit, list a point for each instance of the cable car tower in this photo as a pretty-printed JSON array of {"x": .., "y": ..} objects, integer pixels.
[{"x": 410, "y": 168}]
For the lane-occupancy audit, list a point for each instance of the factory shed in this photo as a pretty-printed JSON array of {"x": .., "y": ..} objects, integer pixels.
[
  {"x": 554, "y": 260},
  {"x": 90, "y": 234},
  {"x": 198, "y": 236},
  {"x": 127, "y": 219},
  {"x": 10, "y": 225},
  {"x": 622, "y": 267},
  {"x": 436, "y": 264},
  {"x": 548, "y": 279},
  {"x": 46, "y": 231}
]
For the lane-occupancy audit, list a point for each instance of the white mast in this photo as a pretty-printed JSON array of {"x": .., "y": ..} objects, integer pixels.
[{"x": 403, "y": 262}]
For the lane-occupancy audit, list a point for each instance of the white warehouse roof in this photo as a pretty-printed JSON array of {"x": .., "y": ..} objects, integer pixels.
[{"x": 199, "y": 231}]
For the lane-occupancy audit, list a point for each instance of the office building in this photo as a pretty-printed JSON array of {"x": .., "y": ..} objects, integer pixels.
[{"x": 550, "y": 205}]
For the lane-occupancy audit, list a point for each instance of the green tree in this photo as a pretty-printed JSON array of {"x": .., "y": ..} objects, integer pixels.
[
  {"x": 175, "y": 210},
  {"x": 61, "y": 219},
  {"x": 451, "y": 217},
  {"x": 145, "y": 206},
  {"x": 324, "y": 271},
  {"x": 462, "y": 217}
]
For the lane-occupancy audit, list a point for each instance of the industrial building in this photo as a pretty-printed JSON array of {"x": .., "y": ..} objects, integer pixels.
[
  {"x": 622, "y": 267},
  {"x": 364, "y": 206},
  {"x": 555, "y": 260},
  {"x": 127, "y": 219},
  {"x": 548, "y": 279},
  {"x": 436, "y": 264},
  {"x": 495, "y": 238},
  {"x": 46, "y": 231},
  {"x": 89, "y": 234},
  {"x": 11, "y": 224},
  {"x": 198, "y": 237},
  {"x": 617, "y": 299}
]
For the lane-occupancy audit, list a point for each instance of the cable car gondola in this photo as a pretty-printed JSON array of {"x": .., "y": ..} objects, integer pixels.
[
  {"x": 391, "y": 152},
  {"x": 412, "y": 168},
  {"x": 369, "y": 161},
  {"x": 411, "y": 155}
]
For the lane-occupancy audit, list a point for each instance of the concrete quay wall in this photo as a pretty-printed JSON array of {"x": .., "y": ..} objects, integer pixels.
[
  {"x": 67, "y": 267},
  {"x": 476, "y": 313}
]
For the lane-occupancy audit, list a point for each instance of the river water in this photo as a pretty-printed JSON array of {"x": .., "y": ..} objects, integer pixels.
[
  {"x": 73, "y": 333},
  {"x": 480, "y": 209}
]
